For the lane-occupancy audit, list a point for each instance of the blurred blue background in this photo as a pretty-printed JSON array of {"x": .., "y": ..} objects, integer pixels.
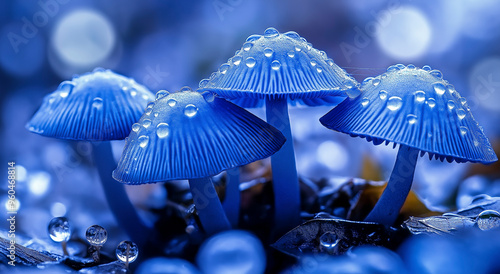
[{"x": 170, "y": 44}]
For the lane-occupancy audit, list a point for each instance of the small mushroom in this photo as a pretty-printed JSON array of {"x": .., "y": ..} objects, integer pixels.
[
  {"x": 419, "y": 110},
  {"x": 98, "y": 106},
  {"x": 187, "y": 135},
  {"x": 276, "y": 68}
]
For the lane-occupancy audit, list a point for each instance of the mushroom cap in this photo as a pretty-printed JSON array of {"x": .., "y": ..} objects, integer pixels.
[
  {"x": 187, "y": 135},
  {"x": 96, "y": 106},
  {"x": 279, "y": 65},
  {"x": 417, "y": 108}
]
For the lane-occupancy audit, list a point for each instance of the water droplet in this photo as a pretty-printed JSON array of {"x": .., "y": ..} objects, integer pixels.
[
  {"x": 392, "y": 68},
  {"x": 353, "y": 93},
  {"x": 146, "y": 123},
  {"x": 488, "y": 219},
  {"x": 293, "y": 35},
  {"x": 64, "y": 93},
  {"x": 271, "y": 32},
  {"x": 297, "y": 48},
  {"x": 365, "y": 101},
  {"x": 136, "y": 127},
  {"x": 209, "y": 96},
  {"x": 439, "y": 88},
  {"x": 203, "y": 83},
  {"x": 309, "y": 46},
  {"x": 330, "y": 62},
  {"x": 155, "y": 114},
  {"x": 323, "y": 54},
  {"x": 143, "y": 141},
  {"x": 213, "y": 75},
  {"x": 411, "y": 66},
  {"x": 375, "y": 81},
  {"x": 429, "y": 135},
  {"x": 59, "y": 229},
  {"x": 411, "y": 119},
  {"x": 247, "y": 46},
  {"x": 463, "y": 130},
  {"x": 145, "y": 97},
  {"x": 431, "y": 102},
  {"x": 236, "y": 60},
  {"x": 162, "y": 130},
  {"x": 291, "y": 54},
  {"x": 461, "y": 113},
  {"x": 348, "y": 83},
  {"x": 133, "y": 92},
  {"x": 436, "y": 73},
  {"x": 420, "y": 96},
  {"x": 268, "y": 52},
  {"x": 382, "y": 94},
  {"x": 96, "y": 235},
  {"x": 450, "y": 105},
  {"x": 275, "y": 65},
  {"x": 476, "y": 143},
  {"x": 328, "y": 241},
  {"x": 313, "y": 62},
  {"x": 401, "y": 66},
  {"x": 394, "y": 103},
  {"x": 223, "y": 68},
  {"x": 253, "y": 37},
  {"x": 172, "y": 102},
  {"x": 250, "y": 62},
  {"x": 190, "y": 110},
  {"x": 185, "y": 89},
  {"x": 127, "y": 251},
  {"x": 162, "y": 93},
  {"x": 426, "y": 68},
  {"x": 97, "y": 103},
  {"x": 319, "y": 69},
  {"x": 463, "y": 101}
]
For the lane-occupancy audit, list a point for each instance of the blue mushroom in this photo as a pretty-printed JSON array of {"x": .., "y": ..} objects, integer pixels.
[
  {"x": 277, "y": 68},
  {"x": 419, "y": 110},
  {"x": 234, "y": 251},
  {"x": 187, "y": 135},
  {"x": 98, "y": 106}
]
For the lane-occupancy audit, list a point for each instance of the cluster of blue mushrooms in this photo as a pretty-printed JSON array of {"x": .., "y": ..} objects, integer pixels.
[{"x": 197, "y": 134}]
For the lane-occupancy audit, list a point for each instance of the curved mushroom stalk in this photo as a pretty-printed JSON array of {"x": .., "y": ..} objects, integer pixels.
[
  {"x": 387, "y": 209},
  {"x": 124, "y": 212},
  {"x": 208, "y": 205},
  {"x": 232, "y": 198},
  {"x": 285, "y": 180}
]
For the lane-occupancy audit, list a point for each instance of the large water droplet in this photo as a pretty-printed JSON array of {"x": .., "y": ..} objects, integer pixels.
[
  {"x": 209, "y": 96},
  {"x": 463, "y": 101},
  {"x": 436, "y": 73},
  {"x": 275, "y": 65},
  {"x": 271, "y": 32},
  {"x": 463, "y": 130},
  {"x": 247, "y": 46},
  {"x": 127, "y": 251},
  {"x": 420, "y": 96},
  {"x": 59, "y": 229},
  {"x": 136, "y": 127},
  {"x": 309, "y": 46},
  {"x": 328, "y": 241},
  {"x": 382, "y": 94},
  {"x": 253, "y": 37},
  {"x": 143, "y": 141},
  {"x": 293, "y": 35},
  {"x": 190, "y": 110},
  {"x": 411, "y": 119},
  {"x": 394, "y": 103},
  {"x": 431, "y": 102},
  {"x": 97, "y": 103},
  {"x": 313, "y": 62},
  {"x": 365, "y": 101},
  {"x": 451, "y": 105},
  {"x": 353, "y": 93},
  {"x": 488, "y": 219},
  {"x": 392, "y": 68},
  {"x": 268, "y": 52},
  {"x": 291, "y": 54},
  {"x": 297, "y": 48},
  {"x": 162, "y": 130},
  {"x": 223, "y": 68},
  {"x": 236, "y": 60},
  {"x": 203, "y": 83},
  {"x": 146, "y": 123},
  {"x": 250, "y": 62},
  {"x": 401, "y": 66},
  {"x": 461, "y": 113},
  {"x": 185, "y": 89},
  {"x": 172, "y": 102},
  {"x": 96, "y": 235},
  {"x": 439, "y": 88},
  {"x": 162, "y": 93},
  {"x": 319, "y": 69},
  {"x": 375, "y": 81},
  {"x": 411, "y": 66},
  {"x": 427, "y": 68},
  {"x": 64, "y": 93}
]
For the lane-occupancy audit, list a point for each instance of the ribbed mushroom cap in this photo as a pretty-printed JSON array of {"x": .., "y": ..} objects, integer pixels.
[
  {"x": 417, "y": 108},
  {"x": 96, "y": 106},
  {"x": 279, "y": 65},
  {"x": 186, "y": 135}
]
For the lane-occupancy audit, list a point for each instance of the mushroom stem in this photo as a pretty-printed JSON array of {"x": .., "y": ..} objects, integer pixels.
[
  {"x": 231, "y": 202},
  {"x": 387, "y": 209},
  {"x": 124, "y": 212},
  {"x": 285, "y": 180},
  {"x": 212, "y": 216}
]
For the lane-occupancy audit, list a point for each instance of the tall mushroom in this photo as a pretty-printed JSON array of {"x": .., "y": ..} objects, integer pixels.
[
  {"x": 98, "y": 107},
  {"x": 419, "y": 110},
  {"x": 277, "y": 68},
  {"x": 187, "y": 135}
]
